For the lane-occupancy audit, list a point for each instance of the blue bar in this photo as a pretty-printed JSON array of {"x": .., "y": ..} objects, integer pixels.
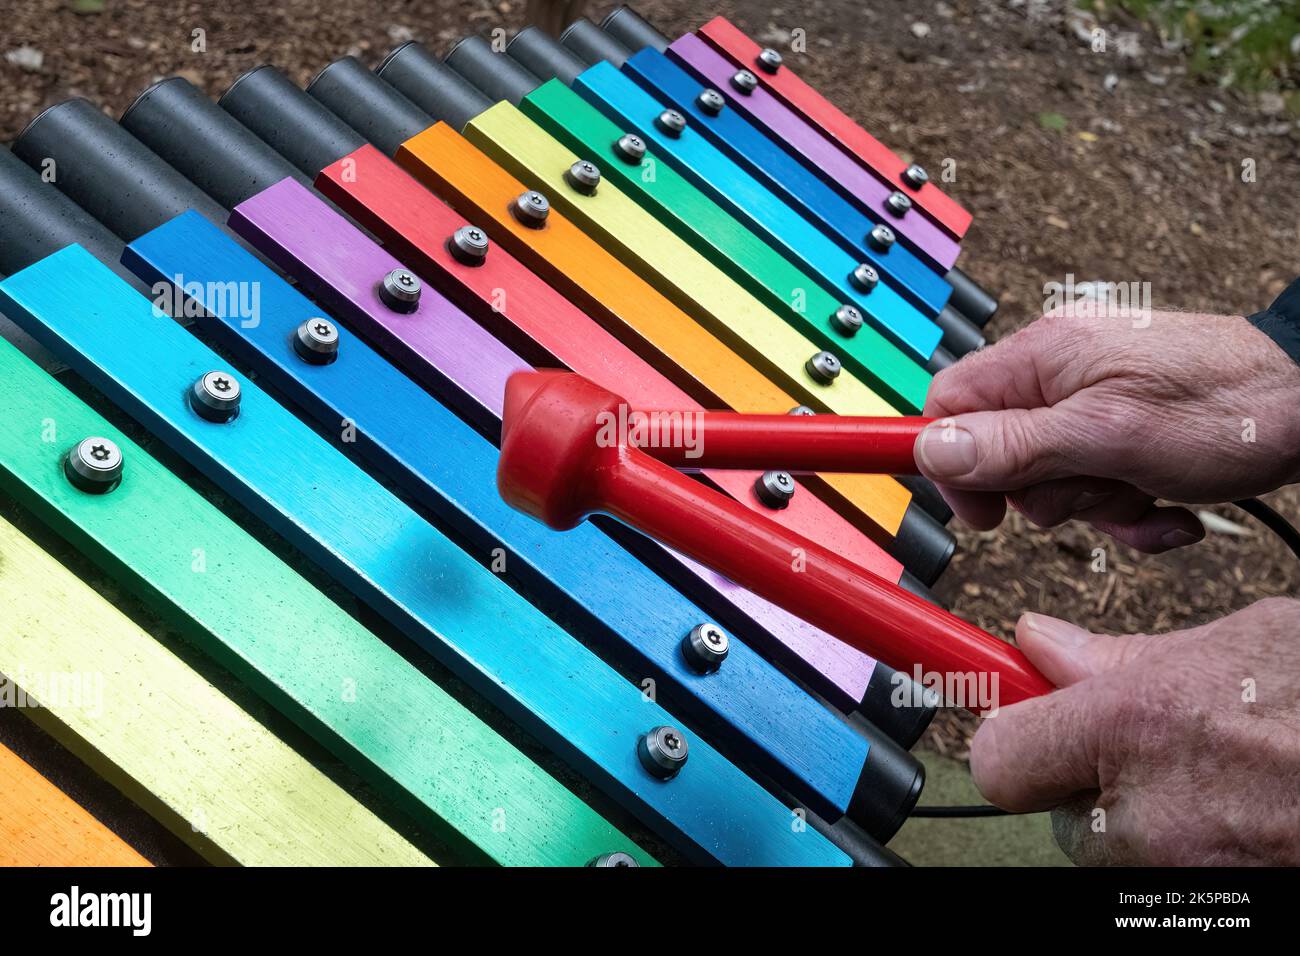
[
  {"x": 663, "y": 83},
  {"x": 424, "y": 584},
  {"x": 763, "y": 158},
  {"x": 448, "y": 468},
  {"x": 720, "y": 178}
]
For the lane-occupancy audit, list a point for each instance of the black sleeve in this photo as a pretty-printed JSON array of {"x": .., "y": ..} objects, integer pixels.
[{"x": 1281, "y": 321}]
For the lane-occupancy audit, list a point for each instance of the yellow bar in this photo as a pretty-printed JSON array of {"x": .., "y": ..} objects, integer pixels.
[{"x": 167, "y": 738}]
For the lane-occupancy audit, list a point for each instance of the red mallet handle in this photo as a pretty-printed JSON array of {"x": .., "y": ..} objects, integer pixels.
[
  {"x": 794, "y": 443},
  {"x": 554, "y": 467}
]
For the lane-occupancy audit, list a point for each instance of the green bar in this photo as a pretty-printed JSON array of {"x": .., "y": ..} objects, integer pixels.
[
  {"x": 226, "y": 593},
  {"x": 727, "y": 243}
]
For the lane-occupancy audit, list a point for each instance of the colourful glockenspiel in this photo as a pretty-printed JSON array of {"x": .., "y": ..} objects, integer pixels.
[{"x": 308, "y": 303}]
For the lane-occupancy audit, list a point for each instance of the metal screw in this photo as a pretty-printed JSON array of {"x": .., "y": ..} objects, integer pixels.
[
  {"x": 583, "y": 176},
  {"x": 915, "y": 176},
  {"x": 882, "y": 237},
  {"x": 711, "y": 101},
  {"x": 847, "y": 320},
  {"x": 317, "y": 341},
  {"x": 618, "y": 858},
  {"x": 898, "y": 204},
  {"x": 532, "y": 208},
  {"x": 630, "y": 147},
  {"x": 824, "y": 367},
  {"x": 215, "y": 396},
  {"x": 400, "y": 291},
  {"x": 469, "y": 245},
  {"x": 745, "y": 81},
  {"x": 94, "y": 465},
  {"x": 775, "y": 488},
  {"x": 663, "y": 751},
  {"x": 769, "y": 61},
  {"x": 671, "y": 122},
  {"x": 865, "y": 277},
  {"x": 705, "y": 647},
  {"x": 801, "y": 410}
]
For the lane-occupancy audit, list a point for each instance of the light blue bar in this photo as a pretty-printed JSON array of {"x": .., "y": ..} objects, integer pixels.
[{"x": 395, "y": 561}]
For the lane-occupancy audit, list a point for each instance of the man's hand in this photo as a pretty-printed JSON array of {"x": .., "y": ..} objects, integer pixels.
[
  {"x": 1165, "y": 750},
  {"x": 1095, "y": 416}
]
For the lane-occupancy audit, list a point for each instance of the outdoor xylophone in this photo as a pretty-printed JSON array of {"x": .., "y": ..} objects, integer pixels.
[{"x": 357, "y": 270}]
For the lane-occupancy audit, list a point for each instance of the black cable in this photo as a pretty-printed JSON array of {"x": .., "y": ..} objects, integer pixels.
[{"x": 1273, "y": 521}]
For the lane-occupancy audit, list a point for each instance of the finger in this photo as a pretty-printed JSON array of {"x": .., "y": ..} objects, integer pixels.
[
  {"x": 1079, "y": 827},
  {"x": 981, "y": 510},
  {"x": 1005, "y": 374},
  {"x": 999, "y": 451},
  {"x": 1051, "y": 503},
  {"x": 1114, "y": 507},
  {"x": 1039, "y": 752},
  {"x": 1068, "y": 654},
  {"x": 1160, "y": 529}
]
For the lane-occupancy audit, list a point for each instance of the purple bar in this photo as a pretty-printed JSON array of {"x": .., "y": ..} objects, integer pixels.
[
  {"x": 445, "y": 350},
  {"x": 817, "y": 152}
]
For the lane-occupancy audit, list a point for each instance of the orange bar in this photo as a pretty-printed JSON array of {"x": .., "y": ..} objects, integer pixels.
[{"x": 41, "y": 826}]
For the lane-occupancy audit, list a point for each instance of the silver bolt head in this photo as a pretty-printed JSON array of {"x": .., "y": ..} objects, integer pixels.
[
  {"x": 898, "y": 204},
  {"x": 317, "y": 341},
  {"x": 706, "y": 647},
  {"x": 711, "y": 101},
  {"x": 775, "y": 488},
  {"x": 801, "y": 410},
  {"x": 671, "y": 122},
  {"x": 847, "y": 320},
  {"x": 400, "y": 290},
  {"x": 617, "y": 858},
  {"x": 532, "y": 208},
  {"x": 865, "y": 277},
  {"x": 915, "y": 176},
  {"x": 630, "y": 147},
  {"x": 769, "y": 61},
  {"x": 216, "y": 396},
  {"x": 94, "y": 465},
  {"x": 824, "y": 367},
  {"x": 745, "y": 81},
  {"x": 584, "y": 176},
  {"x": 663, "y": 751},
  {"x": 469, "y": 245},
  {"x": 882, "y": 237}
]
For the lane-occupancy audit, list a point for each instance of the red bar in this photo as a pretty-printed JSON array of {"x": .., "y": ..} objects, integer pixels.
[
  {"x": 793, "y": 443},
  {"x": 785, "y": 84},
  {"x": 554, "y": 467},
  {"x": 542, "y": 326}
]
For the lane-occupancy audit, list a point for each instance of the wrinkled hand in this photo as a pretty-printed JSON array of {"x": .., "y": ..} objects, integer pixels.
[
  {"x": 1095, "y": 416},
  {"x": 1166, "y": 750}
]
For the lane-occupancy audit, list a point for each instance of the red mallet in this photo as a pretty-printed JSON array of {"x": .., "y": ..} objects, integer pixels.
[{"x": 564, "y": 457}]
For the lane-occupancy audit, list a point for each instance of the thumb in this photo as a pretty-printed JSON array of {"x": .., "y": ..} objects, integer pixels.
[
  {"x": 997, "y": 451},
  {"x": 1067, "y": 654}
]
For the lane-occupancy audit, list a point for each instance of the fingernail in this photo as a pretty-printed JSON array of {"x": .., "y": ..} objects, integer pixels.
[
  {"x": 1058, "y": 632},
  {"x": 1178, "y": 538},
  {"x": 947, "y": 451}
]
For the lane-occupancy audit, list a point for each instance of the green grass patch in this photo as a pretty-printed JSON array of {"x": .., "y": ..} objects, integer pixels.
[{"x": 1250, "y": 44}]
